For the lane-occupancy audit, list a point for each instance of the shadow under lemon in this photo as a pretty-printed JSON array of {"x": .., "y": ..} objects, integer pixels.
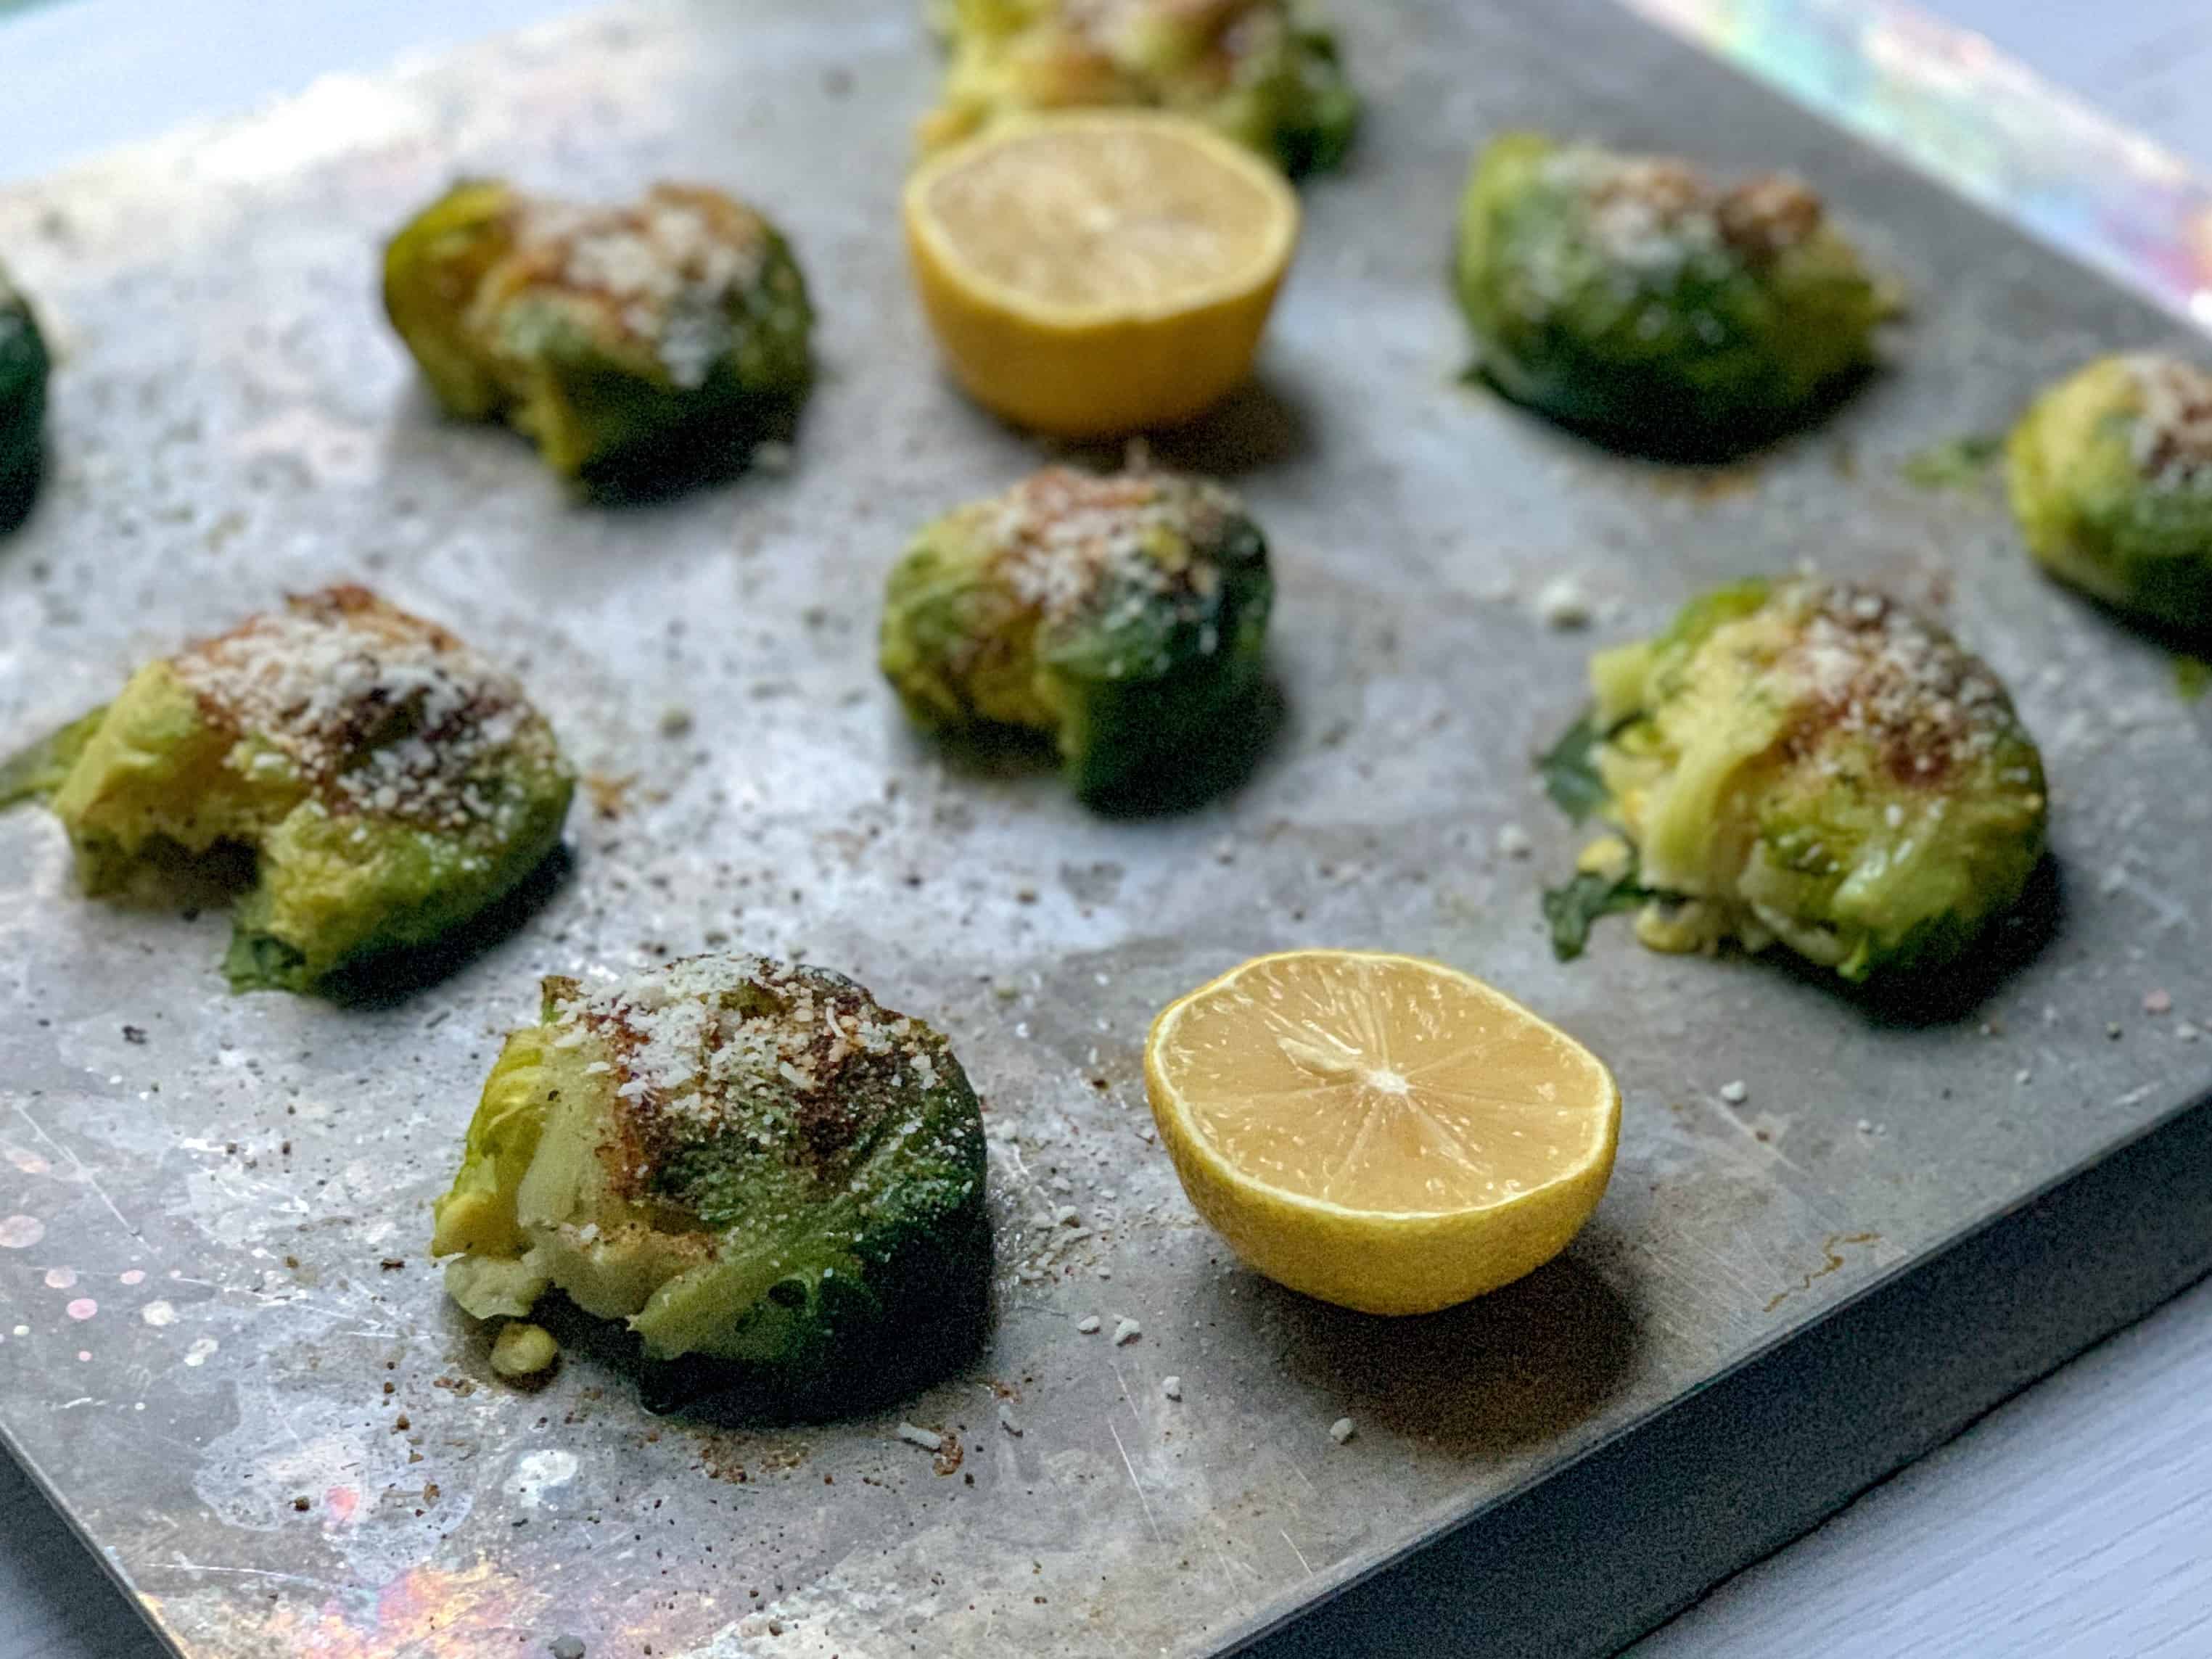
[
  {"x": 1504, "y": 1372},
  {"x": 1261, "y": 425}
]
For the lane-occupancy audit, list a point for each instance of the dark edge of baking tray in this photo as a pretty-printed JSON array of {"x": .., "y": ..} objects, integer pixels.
[
  {"x": 59, "y": 1512},
  {"x": 1591, "y": 1556}
]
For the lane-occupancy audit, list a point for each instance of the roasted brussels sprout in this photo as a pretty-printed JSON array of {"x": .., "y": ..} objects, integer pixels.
[
  {"x": 1125, "y": 616},
  {"x": 23, "y": 366},
  {"x": 2111, "y": 477},
  {"x": 747, "y": 1161},
  {"x": 389, "y": 783},
  {"x": 1630, "y": 296},
  {"x": 1815, "y": 764},
  {"x": 620, "y": 339},
  {"x": 1263, "y": 71}
]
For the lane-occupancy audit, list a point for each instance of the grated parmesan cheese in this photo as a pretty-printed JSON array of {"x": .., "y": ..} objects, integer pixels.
[
  {"x": 1878, "y": 674},
  {"x": 1655, "y": 216},
  {"x": 1068, "y": 543},
  {"x": 2171, "y": 438},
  {"x": 668, "y": 271},
  {"x": 774, "y": 1055},
  {"x": 379, "y": 713}
]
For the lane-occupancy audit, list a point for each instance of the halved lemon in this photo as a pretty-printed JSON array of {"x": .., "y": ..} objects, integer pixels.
[
  {"x": 1099, "y": 272},
  {"x": 1381, "y": 1131}
]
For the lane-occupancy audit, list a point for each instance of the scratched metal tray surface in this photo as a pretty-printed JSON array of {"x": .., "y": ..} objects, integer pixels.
[{"x": 221, "y": 1346}]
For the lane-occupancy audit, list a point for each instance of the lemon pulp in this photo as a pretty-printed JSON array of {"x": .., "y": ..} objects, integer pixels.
[
  {"x": 1099, "y": 272},
  {"x": 1377, "y": 1130}
]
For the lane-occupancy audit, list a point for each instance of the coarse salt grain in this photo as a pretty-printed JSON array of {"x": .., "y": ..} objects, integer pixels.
[{"x": 1561, "y": 603}]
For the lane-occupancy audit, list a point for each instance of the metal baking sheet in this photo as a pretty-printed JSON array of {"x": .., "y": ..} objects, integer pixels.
[{"x": 213, "y": 1209}]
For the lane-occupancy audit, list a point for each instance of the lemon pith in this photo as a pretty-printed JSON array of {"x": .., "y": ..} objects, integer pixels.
[
  {"x": 1379, "y": 1131},
  {"x": 1101, "y": 272}
]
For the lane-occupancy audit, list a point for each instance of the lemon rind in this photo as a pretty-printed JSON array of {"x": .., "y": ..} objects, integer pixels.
[
  {"x": 1266, "y": 270},
  {"x": 1186, "y": 1129}
]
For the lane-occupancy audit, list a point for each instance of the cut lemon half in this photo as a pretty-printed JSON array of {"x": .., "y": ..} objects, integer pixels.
[
  {"x": 1381, "y": 1132},
  {"x": 1099, "y": 272}
]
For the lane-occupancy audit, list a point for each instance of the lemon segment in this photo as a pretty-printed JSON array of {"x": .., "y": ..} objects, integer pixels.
[
  {"x": 1099, "y": 273},
  {"x": 1379, "y": 1131}
]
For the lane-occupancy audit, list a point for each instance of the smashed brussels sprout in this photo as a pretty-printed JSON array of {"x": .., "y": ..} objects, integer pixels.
[
  {"x": 389, "y": 783},
  {"x": 620, "y": 339},
  {"x": 2111, "y": 477},
  {"x": 1815, "y": 764},
  {"x": 1125, "y": 617},
  {"x": 747, "y": 1161},
  {"x": 23, "y": 366},
  {"x": 1630, "y": 296},
  {"x": 1261, "y": 71}
]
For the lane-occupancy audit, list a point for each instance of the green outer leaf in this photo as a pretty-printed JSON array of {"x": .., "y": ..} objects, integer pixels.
[
  {"x": 1569, "y": 770},
  {"x": 2192, "y": 677},
  {"x": 1710, "y": 352},
  {"x": 1955, "y": 464},
  {"x": 38, "y": 771},
  {"x": 262, "y": 962},
  {"x": 1318, "y": 129},
  {"x": 2092, "y": 518},
  {"x": 822, "y": 1274},
  {"x": 24, "y": 366},
  {"x": 1573, "y": 908},
  {"x": 606, "y": 411},
  {"x": 1118, "y": 728},
  {"x": 1135, "y": 688}
]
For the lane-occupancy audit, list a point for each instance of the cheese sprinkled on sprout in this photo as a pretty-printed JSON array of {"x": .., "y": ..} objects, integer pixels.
[
  {"x": 621, "y": 339},
  {"x": 379, "y": 711},
  {"x": 1880, "y": 674},
  {"x": 669, "y": 267},
  {"x": 1636, "y": 297},
  {"x": 747, "y": 1160},
  {"x": 1264, "y": 72},
  {"x": 387, "y": 782},
  {"x": 1655, "y": 212},
  {"x": 1812, "y": 763},
  {"x": 2110, "y": 477},
  {"x": 2172, "y": 442},
  {"x": 707, "y": 1045},
  {"x": 1068, "y": 540},
  {"x": 1126, "y": 616}
]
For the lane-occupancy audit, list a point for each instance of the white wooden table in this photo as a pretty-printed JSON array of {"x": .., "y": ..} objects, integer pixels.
[{"x": 2072, "y": 1523}]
